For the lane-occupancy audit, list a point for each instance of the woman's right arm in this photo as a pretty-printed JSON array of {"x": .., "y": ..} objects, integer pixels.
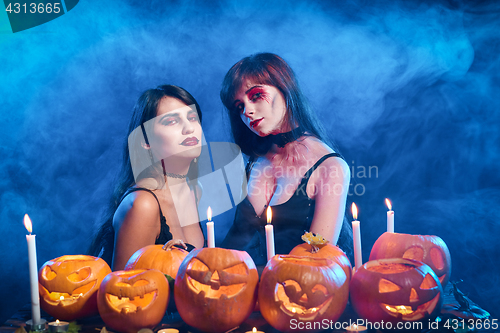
[{"x": 136, "y": 224}]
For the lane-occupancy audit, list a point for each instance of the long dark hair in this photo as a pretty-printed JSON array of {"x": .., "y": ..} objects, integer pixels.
[
  {"x": 271, "y": 69},
  {"x": 145, "y": 109}
]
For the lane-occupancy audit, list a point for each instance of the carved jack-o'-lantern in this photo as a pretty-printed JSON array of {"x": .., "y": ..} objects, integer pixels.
[
  {"x": 165, "y": 258},
  {"x": 131, "y": 300},
  {"x": 430, "y": 250},
  {"x": 68, "y": 285},
  {"x": 302, "y": 288},
  {"x": 215, "y": 289},
  {"x": 395, "y": 290}
]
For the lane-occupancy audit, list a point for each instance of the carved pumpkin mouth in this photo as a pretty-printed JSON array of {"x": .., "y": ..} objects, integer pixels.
[
  {"x": 407, "y": 313},
  {"x": 303, "y": 308},
  {"x": 64, "y": 299},
  {"x": 132, "y": 304}
]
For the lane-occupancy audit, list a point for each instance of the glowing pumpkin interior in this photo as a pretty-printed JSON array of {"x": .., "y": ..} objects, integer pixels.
[
  {"x": 134, "y": 296},
  {"x": 226, "y": 282},
  {"x": 413, "y": 310},
  {"x": 302, "y": 301}
]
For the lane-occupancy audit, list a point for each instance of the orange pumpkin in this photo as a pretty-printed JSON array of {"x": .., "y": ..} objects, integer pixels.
[
  {"x": 215, "y": 289},
  {"x": 430, "y": 250},
  {"x": 165, "y": 258},
  {"x": 131, "y": 300},
  {"x": 68, "y": 285},
  {"x": 302, "y": 290},
  {"x": 318, "y": 247},
  {"x": 393, "y": 290}
]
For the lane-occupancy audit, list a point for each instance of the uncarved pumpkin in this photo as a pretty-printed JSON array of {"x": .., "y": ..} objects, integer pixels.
[
  {"x": 215, "y": 289},
  {"x": 68, "y": 285},
  {"x": 131, "y": 300},
  {"x": 430, "y": 250},
  {"x": 165, "y": 258}
]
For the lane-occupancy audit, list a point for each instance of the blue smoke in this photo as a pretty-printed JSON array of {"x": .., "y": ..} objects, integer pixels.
[{"x": 405, "y": 87}]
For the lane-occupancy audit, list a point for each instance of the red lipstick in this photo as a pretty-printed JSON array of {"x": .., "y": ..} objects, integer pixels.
[
  {"x": 192, "y": 141},
  {"x": 255, "y": 123}
]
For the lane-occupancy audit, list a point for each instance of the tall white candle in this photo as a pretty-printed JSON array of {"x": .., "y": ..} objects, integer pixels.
[
  {"x": 33, "y": 271},
  {"x": 269, "y": 234},
  {"x": 390, "y": 216},
  {"x": 356, "y": 237},
  {"x": 210, "y": 229}
]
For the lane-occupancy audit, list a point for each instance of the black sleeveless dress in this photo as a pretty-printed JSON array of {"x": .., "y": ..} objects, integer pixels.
[{"x": 290, "y": 220}]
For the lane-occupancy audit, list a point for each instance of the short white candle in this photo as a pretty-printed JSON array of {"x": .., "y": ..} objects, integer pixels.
[
  {"x": 390, "y": 216},
  {"x": 33, "y": 271},
  {"x": 356, "y": 328},
  {"x": 210, "y": 229},
  {"x": 356, "y": 237},
  {"x": 269, "y": 234}
]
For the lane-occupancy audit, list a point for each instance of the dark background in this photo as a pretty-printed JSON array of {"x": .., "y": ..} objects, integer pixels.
[{"x": 407, "y": 88}]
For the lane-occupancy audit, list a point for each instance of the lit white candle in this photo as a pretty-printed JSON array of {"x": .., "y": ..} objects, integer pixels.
[
  {"x": 269, "y": 234},
  {"x": 356, "y": 237},
  {"x": 210, "y": 229},
  {"x": 33, "y": 271},
  {"x": 356, "y": 328},
  {"x": 390, "y": 216}
]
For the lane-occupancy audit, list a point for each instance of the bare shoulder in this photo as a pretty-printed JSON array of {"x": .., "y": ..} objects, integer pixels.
[
  {"x": 137, "y": 206},
  {"x": 334, "y": 168}
]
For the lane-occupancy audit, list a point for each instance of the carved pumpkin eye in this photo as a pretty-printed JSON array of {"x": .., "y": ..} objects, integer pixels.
[
  {"x": 80, "y": 275},
  {"x": 414, "y": 252},
  {"x": 233, "y": 275},
  {"x": 437, "y": 258},
  {"x": 428, "y": 282},
  {"x": 319, "y": 287},
  {"x": 48, "y": 274},
  {"x": 198, "y": 271},
  {"x": 386, "y": 286}
]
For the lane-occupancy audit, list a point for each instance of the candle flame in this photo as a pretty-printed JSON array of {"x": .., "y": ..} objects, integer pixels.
[
  {"x": 27, "y": 223},
  {"x": 269, "y": 213},
  {"x": 209, "y": 214},
  {"x": 61, "y": 298},
  {"x": 388, "y": 203},
  {"x": 57, "y": 321},
  {"x": 254, "y": 329},
  {"x": 354, "y": 210}
]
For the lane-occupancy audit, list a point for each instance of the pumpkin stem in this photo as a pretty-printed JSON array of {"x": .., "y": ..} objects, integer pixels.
[
  {"x": 168, "y": 245},
  {"x": 314, "y": 248}
]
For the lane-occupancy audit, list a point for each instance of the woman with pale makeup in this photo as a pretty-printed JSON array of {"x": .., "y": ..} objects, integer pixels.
[
  {"x": 292, "y": 166},
  {"x": 154, "y": 200}
]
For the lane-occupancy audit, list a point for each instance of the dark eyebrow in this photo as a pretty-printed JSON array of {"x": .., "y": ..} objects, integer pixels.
[
  {"x": 246, "y": 92},
  {"x": 169, "y": 114}
]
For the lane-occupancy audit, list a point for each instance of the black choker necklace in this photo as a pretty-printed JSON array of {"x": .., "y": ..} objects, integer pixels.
[
  {"x": 283, "y": 138},
  {"x": 175, "y": 175}
]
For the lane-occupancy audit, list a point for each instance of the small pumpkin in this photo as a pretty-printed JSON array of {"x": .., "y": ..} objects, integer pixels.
[
  {"x": 430, "y": 250},
  {"x": 165, "y": 258},
  {"x": 306, "y": 289},
  {"x": 393, "y": 290},
  {"x": 68, "y": 285},
  {"x": 318, "y": 247},
  {"x": 131, "y": 300},
  {"x": 215, "y": 289}
]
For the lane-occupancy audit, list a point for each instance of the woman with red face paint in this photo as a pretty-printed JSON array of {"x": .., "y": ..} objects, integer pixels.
[
  {"x": 154, "y": 201},
  {"x": 292, "y": 167}
]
